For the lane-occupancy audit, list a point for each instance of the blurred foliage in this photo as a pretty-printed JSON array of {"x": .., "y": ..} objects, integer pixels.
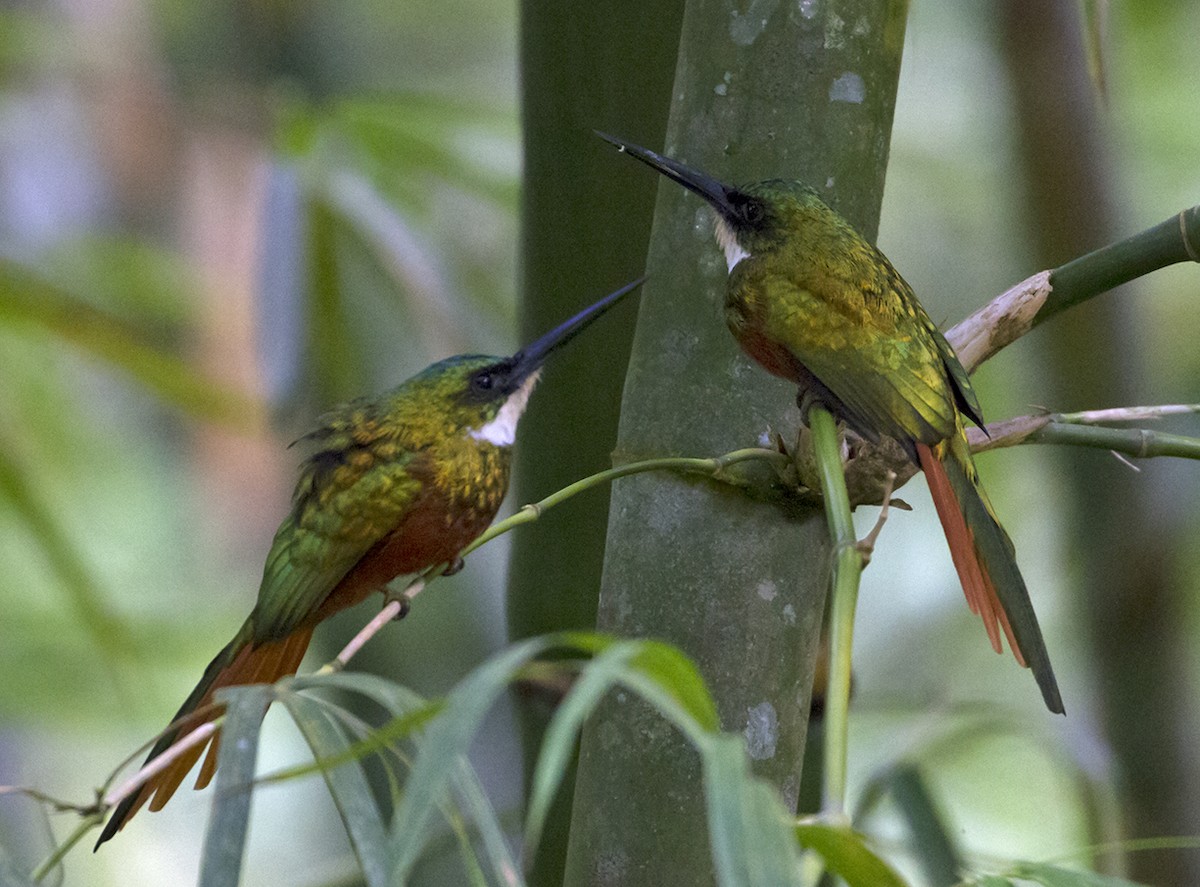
[
  {"x": 376, "y": 178},
  {"x": 387, "y": 239}
]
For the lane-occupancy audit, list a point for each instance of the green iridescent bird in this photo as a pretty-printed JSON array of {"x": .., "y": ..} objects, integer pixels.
[
  {"x": 396, "y": 485},
  {"x": 812, "y": 301}
]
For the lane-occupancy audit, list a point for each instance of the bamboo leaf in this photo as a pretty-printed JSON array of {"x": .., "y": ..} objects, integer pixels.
[
  {"x": 1056, "y": 876},
  {"x": 846, "y": 854},
  {"x": 446, "y": 740},
  {"x": 411, "y": 713},
  {"x": 347, "y": 786},
  {"x": 558, "y": 744},
  {"x": 225, "y": 839},
  {"x": 931, "y": 840},
  {"x": 108, "y": 632},
  {"x": 27, "y": 299},
  {"x": 748, "y": 826}
]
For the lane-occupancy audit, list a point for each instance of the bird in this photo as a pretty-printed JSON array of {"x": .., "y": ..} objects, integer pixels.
[
  {"x": 814, "y": 302},
  {"x": 395, "y": 485}
]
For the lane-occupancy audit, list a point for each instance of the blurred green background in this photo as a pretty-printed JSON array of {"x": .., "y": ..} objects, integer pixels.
[{"x": 216, "y": 220}]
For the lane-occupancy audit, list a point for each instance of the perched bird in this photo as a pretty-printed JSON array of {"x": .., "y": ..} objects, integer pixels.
[
  {"x": 396, "y": 485},
  {"x": 812, "y": 301}
]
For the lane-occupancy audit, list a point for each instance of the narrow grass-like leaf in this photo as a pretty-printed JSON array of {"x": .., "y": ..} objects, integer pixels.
[
  {"x": 931, "y": 841},
  {"x": 558, "y": 744},
  {"x": 846, "y": 854},
  {"x": 678, "y": 676},
  {"x": 474, "y": 802},
  {"x": 107, "y": 631},
  {"x": 748, "y": 827},
  {"x": 225, "y": 839},
  {"x": 412, "y": 711},
  {"x": 26, "y": 298},
  {"x": 657, "y": 672},
  {"x": 1056, "y": 876},
  {"x": 347, "y": 785},
  {"x": 446, "y": 740}
]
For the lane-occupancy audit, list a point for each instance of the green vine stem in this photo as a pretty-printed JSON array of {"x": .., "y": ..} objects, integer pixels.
[{"x": 51, "y": 862}]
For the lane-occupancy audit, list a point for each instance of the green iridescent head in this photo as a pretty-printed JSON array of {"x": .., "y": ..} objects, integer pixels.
[
  {"x": 485, "y": 395},
  {"x": 752, "y": 219}
]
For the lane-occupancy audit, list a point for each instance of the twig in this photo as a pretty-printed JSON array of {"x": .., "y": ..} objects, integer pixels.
[
  {"x": 1034, "y": 301},
  {"x": 58, "y": 805},
  {"x": 394, "y": 609},
  {"x": 1000, "y": 322},
  {"x": 1080, "y": 429},
  {"x": 161, "y": 762},
  {"x": 1127, "y": 414}
]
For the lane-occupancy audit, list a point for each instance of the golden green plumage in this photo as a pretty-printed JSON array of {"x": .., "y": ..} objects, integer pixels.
[
  {"x": 814, "y": 302},
  {"x": 394, "y": 486},
  {"x": 845, "y": 315}
]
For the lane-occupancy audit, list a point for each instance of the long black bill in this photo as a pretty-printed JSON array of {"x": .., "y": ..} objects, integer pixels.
[
  {"x": 534, "y": 354},
  {"x": 703, "y": 184}
]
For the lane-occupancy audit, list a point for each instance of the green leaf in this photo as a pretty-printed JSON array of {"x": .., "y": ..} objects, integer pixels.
[
  {"x": 347, "y": 786},
  {"x": 29, "y": 299},
  {"x": 558, "y": 743},
  {"x": 846, "y": 854},
  {"x": 1056, "y": 876},
  {"x": 225, "y": 840},
  {"x": 678, "y": 676},
  {"x": 932, "y": 843},
  {"x": 447, "y": 740},
  {"x": 747, "y": 825},
  {"x": 411, "y": 713},
  {"x": 106, "y": 630},
  {"x": 331, "y": 343}
]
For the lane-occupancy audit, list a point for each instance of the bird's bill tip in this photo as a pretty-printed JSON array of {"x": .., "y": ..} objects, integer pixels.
[
  {"x": 715, "y": 192},
  {"x": 535, "y": 354}
]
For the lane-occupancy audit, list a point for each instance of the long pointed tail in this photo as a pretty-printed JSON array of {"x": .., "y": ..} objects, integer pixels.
[
  {"x": 240, "y": 662},
  {"x": 986, "y": 561}
]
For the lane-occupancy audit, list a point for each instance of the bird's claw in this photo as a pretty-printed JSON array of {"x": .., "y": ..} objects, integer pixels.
[
  {"x": 403, "y": 600},
  {"x": 454, "y": 566}
]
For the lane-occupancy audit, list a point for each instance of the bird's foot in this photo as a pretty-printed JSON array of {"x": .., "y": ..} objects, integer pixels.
[
  {"x": 454, "y": 566},
  {"x": 402, "y": 599},
  {"x": 866, "y": 545}
]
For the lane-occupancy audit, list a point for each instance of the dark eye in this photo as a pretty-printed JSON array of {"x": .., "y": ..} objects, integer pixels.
[
  {"x": 483, "y": 382},
  {"x": 752, "y": 212}
]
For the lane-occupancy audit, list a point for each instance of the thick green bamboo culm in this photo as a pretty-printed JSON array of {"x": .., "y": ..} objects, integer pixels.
[
  {"x": 584, "y": 224},
  {"x": 740, "y": 586}
]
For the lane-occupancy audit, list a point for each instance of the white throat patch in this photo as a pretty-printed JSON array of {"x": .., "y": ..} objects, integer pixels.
[
  {"x": 734, "y": 252},
  {"x": 502, "y": 430}
]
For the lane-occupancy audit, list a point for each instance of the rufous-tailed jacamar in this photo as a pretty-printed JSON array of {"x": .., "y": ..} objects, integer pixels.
[
  {"x": 396, "y": 485},
  {"x": 812, "y": 301}
]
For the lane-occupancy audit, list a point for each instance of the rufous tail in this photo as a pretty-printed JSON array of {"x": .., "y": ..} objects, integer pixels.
[
  {"x": 986, "y": 560},
  {"x": 240, "y": 662}
]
